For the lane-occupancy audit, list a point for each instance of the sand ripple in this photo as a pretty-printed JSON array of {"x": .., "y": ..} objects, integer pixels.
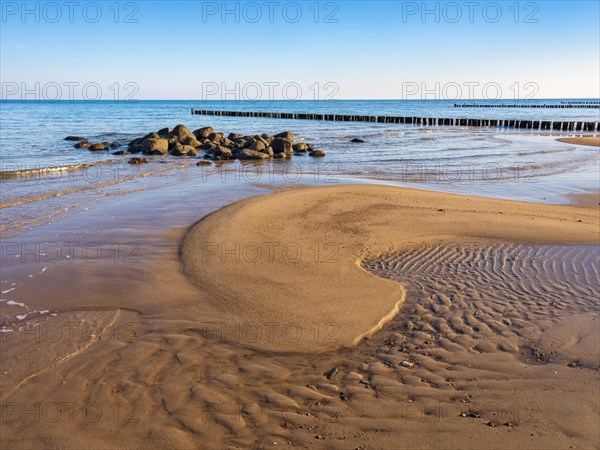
[{"x": 501, "y": 297}]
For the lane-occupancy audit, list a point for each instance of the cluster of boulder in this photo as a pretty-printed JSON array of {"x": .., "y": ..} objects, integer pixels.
[
  {"x": 99, "y": 146},
  {"x": 216, "y": 146},
  {"x": 180, "y": 141}
]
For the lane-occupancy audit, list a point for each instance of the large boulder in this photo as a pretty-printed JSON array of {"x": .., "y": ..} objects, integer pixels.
[
  {"x": 235, "y": 136},
  {"x": 155, "y": 146},
  {"x": 226, "y": 142},
  {"x": 97, "y": 147},
  {"x": 267, "y": 137},
  {"x": 152, "y": 135},
  {"x": 181, "y": 132},
  {"x": 251, "y": 154},
  {"x": 258, "y": 146},
  {"x": 286, "y": 135},
  {"x": 282, "y": 145},
  {"x": 184, "y": 150},
  {"x": 223, "y": 152},
  {"x": 190, "y": 140},
  {"x": 241, "y": 143},
  {"x": 164, "y": 132},
  {"x": 209, "y": 146},
  {"x": 261, "y": 139},
  {"x": 204, "y": 133},
  {"x": 300, "y": 148},
  {"x": 215, "y": 137}
]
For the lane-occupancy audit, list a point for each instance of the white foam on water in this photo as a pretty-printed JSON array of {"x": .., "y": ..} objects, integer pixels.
[
  {"x": 13, "y": 303},
  {"x": 8, "y": 290}
]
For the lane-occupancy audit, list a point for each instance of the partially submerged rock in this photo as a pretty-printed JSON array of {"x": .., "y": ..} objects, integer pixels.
[
  {"x": 155, "y": 146},
  {"x": 138, "y": 161}
]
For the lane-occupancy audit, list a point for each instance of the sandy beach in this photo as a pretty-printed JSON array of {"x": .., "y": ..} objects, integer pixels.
[
  {"x": 350, "y": 316},
  {"x": 593, "y": 141}
]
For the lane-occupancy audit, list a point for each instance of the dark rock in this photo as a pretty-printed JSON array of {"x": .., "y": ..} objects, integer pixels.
[
  {"x": 181, "y": 132},
  {"x": 121, "y": 152},
  {"x": 223, "y": 152},
  {"x": 164, "y": 132},
  {"x": 331, "y": 373},
  {"x": 191, "y": 140},
  {"x": 226, "y": 142},
  {"x": 138, "y": 161},
  {"x": 84, "y": 144},
  {"x": 267, "y": 137},
  {"x": 152, "y": 135},
  {"x": 258, "y": 146},
  {"x": 215, "y": 137},
  {"x": 282, "y": 145},
  {"x": 235, "y": 136},
  {"x": 135, "y": 142},
  {"x": 286, "y": 135},
  {"x": 204, "y": 133},
  {"x": 97, "y": 147},
  {"x": 155, "y": 146},
  {"x": 357, "y": 141},
  {"x": 300, "y": 148},
  {"x": 114, "y": 145},
  {"x": 208, "y": 145},
  {"x": 183, "y": 150},
  {"x": 75, "y": 138},
  {"x": 258, "y": 138},
  {"x": 241, "y": 143},
  {"x": 317, "y": 154},
  {"x": 204, "y": 163},
  {"x": 251, "y": 154}
]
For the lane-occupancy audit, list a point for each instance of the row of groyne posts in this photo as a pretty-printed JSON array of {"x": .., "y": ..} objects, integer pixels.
[{"x": 421, "y": 121}]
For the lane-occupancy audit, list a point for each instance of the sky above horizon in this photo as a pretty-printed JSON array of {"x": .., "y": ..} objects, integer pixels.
[{"x": 304, "y": 49}]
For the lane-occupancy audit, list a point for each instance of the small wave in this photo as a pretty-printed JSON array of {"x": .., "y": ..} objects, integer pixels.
[
  {"x": 43, "y": 171},
  {"x": 544, "y": 152}
]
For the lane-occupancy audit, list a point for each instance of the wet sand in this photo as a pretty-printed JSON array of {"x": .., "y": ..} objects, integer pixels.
[{"x": 199, "y": 341}]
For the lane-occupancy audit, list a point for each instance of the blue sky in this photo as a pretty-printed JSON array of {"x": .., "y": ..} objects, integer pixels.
[{"x": 281, "y": 49}]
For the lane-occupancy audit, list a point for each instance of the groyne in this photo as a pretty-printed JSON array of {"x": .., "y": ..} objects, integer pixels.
[{"x": 420, "y": 121}]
